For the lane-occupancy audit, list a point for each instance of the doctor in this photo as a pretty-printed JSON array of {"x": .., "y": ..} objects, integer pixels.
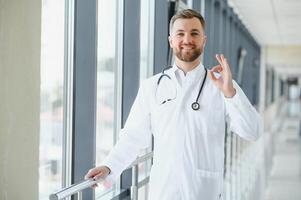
[{"x": 185, "y": 111}]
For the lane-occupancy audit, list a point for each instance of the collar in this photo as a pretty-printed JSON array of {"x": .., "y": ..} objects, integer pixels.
[{"x": 194, "y": 74}]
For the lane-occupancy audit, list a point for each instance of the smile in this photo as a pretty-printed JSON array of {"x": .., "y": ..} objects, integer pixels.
[{"x": 185, "y": 48}]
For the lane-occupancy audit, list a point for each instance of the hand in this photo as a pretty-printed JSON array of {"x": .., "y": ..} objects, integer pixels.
[
  {"x": 224, "y": 82},
  {"x": 97, "y": 173}
]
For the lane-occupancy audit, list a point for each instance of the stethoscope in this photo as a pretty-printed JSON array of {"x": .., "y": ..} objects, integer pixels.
[{"x": 195, "y": 105}]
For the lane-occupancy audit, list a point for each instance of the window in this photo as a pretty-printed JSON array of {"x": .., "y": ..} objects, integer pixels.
[
  {"x": 146, "y": 70},
  {"x": 51, "y": 107},
  {"x": 146, "y": 38},
  {"x": 106, "y": 85}
]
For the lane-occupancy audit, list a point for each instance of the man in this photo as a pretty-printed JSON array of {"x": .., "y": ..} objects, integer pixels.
[{"x": 188, "y": 137}]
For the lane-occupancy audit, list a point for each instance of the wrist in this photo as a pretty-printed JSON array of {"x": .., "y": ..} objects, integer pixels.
[
  {"x": 230, "y": 93},
  {"x": 109, "y": 170}
]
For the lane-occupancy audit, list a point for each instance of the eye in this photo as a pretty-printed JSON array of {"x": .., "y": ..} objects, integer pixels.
[
  {"x": 180, "y": 34},
  {"x": 195, "y": 34}
]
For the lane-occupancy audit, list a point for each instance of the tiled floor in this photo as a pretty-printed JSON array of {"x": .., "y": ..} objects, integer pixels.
[{"x": 285, "y": 180}]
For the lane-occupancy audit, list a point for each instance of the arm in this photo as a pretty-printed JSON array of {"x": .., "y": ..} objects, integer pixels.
[
  {"x": 135, "y": 135},
  {"x": 243, "y": 118}
]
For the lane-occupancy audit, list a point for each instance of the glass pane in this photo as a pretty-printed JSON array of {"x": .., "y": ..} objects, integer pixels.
[
  {"x": 144, "y": 39},
  {"x": 145, "y": 72},
  {"x": 142, "y": 192},
  {"x": 106, "y": 75},
  {"x": 51, "y": 108}
]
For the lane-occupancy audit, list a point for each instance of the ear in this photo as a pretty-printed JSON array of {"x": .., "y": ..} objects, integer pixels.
[
  {"x": 205, "y": 40},
  {"x": 170, "y": 41}
]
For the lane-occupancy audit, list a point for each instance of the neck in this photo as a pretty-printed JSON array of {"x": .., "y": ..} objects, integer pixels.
[{"x": 187, "y": 66}]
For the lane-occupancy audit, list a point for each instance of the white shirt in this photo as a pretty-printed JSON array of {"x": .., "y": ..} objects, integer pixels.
[{"x": 188, "y": 144}]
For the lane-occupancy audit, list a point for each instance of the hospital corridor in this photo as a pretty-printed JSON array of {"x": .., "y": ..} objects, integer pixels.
[
  {"x": 150, "y": 100},
  {"x": 284, "y": 180}
]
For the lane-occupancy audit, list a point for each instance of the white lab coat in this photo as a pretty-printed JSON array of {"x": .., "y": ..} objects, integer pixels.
[{"x": 188, "y": 145}]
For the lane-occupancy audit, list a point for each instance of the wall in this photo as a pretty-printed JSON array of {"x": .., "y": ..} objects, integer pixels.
[
  {"x": 20, "y": 32},
  {"x": 288, "y": 55}
]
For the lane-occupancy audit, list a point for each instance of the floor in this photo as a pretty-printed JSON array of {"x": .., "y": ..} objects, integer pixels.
[{"x": 284, "y": 182}]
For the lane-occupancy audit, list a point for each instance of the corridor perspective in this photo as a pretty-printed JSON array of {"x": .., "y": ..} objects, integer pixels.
[
  {"x": 285, "y": 176},
  {"x": 150, "y": 99}
]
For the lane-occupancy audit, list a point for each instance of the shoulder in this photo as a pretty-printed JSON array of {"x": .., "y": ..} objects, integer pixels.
[
  {"x": 151, "y": 82},
  {"x": 147, "y": 90}
]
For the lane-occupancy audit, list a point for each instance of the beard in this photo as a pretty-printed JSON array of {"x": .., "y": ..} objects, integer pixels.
[{"x": 188, "y": 56}]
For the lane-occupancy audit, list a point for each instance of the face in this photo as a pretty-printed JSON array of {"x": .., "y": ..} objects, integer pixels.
[{"x": 187, "y": 39}]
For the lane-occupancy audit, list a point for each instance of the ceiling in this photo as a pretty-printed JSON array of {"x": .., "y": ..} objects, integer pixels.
[{"x": 271, "y": 22}]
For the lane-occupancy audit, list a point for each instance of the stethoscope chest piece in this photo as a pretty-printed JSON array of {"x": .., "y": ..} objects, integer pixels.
[{"x": 195, "y": 106}]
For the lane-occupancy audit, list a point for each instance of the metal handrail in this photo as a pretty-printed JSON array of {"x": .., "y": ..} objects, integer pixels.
[
  {"x": 78, "y": 187},
  {"x": 73, "y": 189},
  {"x": 141, "y": 159}
]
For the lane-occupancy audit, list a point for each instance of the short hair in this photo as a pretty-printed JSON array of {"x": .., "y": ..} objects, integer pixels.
[{"x": 186, "y": 14}]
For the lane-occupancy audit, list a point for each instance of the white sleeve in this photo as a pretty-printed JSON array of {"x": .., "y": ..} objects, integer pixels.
[
  {"x": 135, "y": 136},
  {"x": 243, "y": 118}
]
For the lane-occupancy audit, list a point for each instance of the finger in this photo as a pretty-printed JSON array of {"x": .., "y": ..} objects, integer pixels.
[
  {"x": 212, "y": 76},
  {"x": 217, "y": 68},
  {"x": 225, "y": 62},
  {"x": 91, "y": 173},
  {"x": 88, "y": 175},
  {"x": 219, "y": 59},
  {"x": 222, "y": 57},
  {"x": 227, "y": 68},
  {"x": 99, "y": 176}
]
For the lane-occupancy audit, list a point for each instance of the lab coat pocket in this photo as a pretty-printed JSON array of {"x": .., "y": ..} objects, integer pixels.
[
  {"x": 161, "y": 115},
  {"x": 210, "y": 184}
]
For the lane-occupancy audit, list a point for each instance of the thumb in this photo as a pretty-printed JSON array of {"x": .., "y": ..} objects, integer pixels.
[{"x": 212, "y": 76}]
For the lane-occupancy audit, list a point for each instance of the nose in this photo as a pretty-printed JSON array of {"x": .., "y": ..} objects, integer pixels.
[{"x": 187, "y": 39}]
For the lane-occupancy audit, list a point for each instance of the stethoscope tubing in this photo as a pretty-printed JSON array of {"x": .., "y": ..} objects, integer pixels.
[
  {"x": 195, "y": 105},
  {"x": 164, "y": 75}
]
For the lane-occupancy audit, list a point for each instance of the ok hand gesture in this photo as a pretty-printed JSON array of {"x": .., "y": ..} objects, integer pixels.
[{"x": 224, "y": 81}]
